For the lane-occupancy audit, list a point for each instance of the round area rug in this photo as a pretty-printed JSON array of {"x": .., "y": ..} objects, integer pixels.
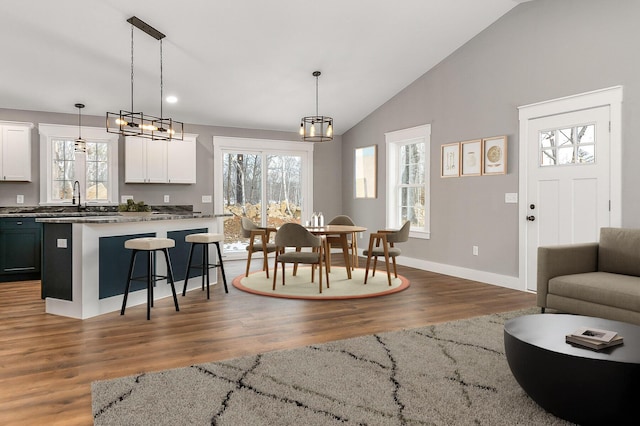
[{"x": 301, "y": 287}]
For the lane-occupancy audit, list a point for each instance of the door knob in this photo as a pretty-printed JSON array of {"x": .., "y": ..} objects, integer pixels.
[{"x": 531, "y": 218}]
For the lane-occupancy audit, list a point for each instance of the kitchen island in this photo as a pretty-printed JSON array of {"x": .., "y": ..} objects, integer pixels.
[{"x": 85, "y": 264}]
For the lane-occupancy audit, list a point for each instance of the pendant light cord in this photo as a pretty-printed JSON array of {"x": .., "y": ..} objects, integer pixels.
[
  {"x": 161, "y": 116},
  {"x": 79, "y": 123},
  {"x": 131, "y": 67},
  {"x": 316, "y": 96}
]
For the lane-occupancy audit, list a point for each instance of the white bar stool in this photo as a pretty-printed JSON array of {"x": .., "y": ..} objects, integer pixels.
[
  {"x": 205, "y": 239},
  {"x": 150, "y": 245}
]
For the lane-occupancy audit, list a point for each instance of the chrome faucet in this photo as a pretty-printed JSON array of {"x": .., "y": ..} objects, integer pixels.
[{"x": 73, "y": 199}]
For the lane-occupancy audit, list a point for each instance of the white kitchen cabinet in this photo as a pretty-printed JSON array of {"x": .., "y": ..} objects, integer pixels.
[
  {"x": 151, "y": 161},
  {"x": 145, "y": 160},
  {"x": 15, "y": 151},
  {"x": 181, "y": 160}
]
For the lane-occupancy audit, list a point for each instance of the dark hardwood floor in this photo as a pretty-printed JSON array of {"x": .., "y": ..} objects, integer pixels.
[{"x": 47, "y": 363}]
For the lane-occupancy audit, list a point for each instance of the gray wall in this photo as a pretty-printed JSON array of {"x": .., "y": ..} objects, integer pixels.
[
  {"x": 327, "y": 165},
  {"x": 540, "y": 50}
]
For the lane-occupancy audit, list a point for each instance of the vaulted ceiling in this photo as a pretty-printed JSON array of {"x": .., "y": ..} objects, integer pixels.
[{"x": 237, "y": 63}]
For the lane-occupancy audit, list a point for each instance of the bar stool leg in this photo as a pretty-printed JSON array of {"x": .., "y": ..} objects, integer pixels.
[
  {"x": 205, "y": 267},
  {"x": 126, "y": 291},
  {"x": 149, "y": 284},
  {"x": 170, "y": 276},
  {"x": 224, "y": 277},
  {"x": 186, "y": 278}
]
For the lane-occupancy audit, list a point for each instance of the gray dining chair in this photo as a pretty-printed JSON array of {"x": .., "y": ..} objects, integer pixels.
[
  {"x": 293, "y": 235},
  {"x": 382, "y": 243},
  {"x": 334, "y": 242},
  {"x": 252, "y": 231}
]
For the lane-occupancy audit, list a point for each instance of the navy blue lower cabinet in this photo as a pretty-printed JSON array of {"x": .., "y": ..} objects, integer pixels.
[
  {"x": 114, "y": 262},
  {"x": 20, "y": 246}
]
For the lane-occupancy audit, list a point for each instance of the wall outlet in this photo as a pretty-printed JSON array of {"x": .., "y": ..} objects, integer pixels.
[
  {"x": 20, "y": 199},
  {"x": 511, "y": 197},
  {"x": 61, "y": 243},
  {"x": 475, "y": 250},
  {"x": 206, "y": 198},
  {"x": 166, "y": 198},
  {"x": 124, "y": 198}
]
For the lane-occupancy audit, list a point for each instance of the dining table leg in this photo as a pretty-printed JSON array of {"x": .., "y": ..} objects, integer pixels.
[{"x": 345, "y": 252}]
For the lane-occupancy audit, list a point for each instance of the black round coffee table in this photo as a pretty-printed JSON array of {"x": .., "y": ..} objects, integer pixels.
[{"x": 573, "y": 383}]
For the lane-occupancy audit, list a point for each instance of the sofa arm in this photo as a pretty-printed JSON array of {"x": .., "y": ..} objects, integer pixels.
[{"x": 555, "y": 261}]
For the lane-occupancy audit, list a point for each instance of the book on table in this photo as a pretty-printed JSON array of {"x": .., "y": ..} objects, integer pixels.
[{"x": 594, "y": 338}]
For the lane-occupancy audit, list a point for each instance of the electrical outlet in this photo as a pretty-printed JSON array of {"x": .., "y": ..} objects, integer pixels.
[
  {"x": 475, "y": 250},
  {"x": 20, "y": 199},
  {"x": 61, "y": 243},
  {"x": 124, "y": 198},
  {"x": 166, "y": 198},
  {"x": 206, "y": 198},
  {"x": 511, "y": 197}
]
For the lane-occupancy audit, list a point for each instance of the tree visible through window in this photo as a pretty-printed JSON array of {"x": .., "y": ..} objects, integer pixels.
[{"x": 411, "y": 188}]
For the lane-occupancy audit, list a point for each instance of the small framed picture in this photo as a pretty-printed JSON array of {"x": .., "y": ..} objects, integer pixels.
[
  {"x": 471, "y": 158},
  {"x": 450, "y": 160},
  {"x": 494, "y": 156}
]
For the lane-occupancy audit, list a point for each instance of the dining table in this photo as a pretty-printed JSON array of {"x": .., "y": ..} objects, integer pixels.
[{"x": 342, "y": 232}]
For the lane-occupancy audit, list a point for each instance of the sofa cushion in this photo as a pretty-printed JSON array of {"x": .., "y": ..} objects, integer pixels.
[
  {"x": 619, "y": 251},
  {"x": 622, "y": 291}
]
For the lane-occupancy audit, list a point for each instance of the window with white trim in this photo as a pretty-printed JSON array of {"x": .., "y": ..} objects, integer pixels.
[
  {"x": 96, "y": 170},
  {"x": 408, "y": 179}
]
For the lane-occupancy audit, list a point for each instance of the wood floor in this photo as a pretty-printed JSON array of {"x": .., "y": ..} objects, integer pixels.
[{"x": 47, "y": 363}]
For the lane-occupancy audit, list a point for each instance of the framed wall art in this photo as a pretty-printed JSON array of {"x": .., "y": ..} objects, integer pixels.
[
  {"x": 366, "y": 168},
  {"x": 450, "y": 160},
  {"x": 471, "y": 158},
  {"x": 494, "y": 156}
]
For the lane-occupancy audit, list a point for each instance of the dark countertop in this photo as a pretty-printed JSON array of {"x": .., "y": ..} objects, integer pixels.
[
  {"x": 120, "y": 218},
  {"x": 93, "y": 211}
]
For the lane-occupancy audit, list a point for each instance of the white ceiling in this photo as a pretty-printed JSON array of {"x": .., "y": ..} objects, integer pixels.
[{"x": 237, "y": 63}]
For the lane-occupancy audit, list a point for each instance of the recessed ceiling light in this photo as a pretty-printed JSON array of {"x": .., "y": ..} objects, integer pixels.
[{"x": 172, "y": 99}]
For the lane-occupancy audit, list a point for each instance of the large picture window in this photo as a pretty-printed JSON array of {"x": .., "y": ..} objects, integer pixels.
[
  {"x": 408, "y": 179},
  {"x": 60, "y": 166},
  {"x": 267, "y": 181}
]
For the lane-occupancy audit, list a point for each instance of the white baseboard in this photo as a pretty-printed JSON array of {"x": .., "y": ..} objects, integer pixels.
[{"x": 465, "y": 273}]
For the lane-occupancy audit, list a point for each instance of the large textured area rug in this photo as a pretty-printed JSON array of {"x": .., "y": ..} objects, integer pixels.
[
  {"x": 446, "y": 374},
  {"x": 340, "y": 287}
]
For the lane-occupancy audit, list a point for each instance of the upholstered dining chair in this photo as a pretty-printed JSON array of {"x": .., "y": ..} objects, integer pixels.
[
  {"x": 294, "y": 235},
  {"x": 385, "y": 241},
  {"x": 334, "y": 242},
  {"x": 252, "y": 231}
]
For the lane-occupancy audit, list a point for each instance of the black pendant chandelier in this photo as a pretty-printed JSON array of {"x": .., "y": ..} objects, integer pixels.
[
  {"x": 80, "y": 145},
  {"x": 130, "y": 123},
  {"x": 317, "y": 128}
]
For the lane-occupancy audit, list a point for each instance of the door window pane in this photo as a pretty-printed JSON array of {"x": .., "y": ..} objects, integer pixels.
[{"x": 568, "y": 146}]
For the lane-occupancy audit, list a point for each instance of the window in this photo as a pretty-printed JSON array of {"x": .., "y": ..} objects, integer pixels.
[
  {"x": 408, "y": 179},
  {"x": 566, "y": 146},
  {"x": 267, "y": 181},
  {"x": 96, "y": 171}
]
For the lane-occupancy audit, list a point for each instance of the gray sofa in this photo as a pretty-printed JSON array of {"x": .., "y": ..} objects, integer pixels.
[{"x": 594, "y": 279}]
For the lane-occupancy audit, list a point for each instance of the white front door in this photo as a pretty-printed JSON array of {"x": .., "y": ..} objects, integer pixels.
[{"x": 568, "y": 192}]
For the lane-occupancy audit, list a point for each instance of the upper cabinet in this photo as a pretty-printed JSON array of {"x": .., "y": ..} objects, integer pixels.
[
  {"x": 15, "y": 151},
  {"x": 154, "y": 161},
  {"x": 181, "y": 161}
]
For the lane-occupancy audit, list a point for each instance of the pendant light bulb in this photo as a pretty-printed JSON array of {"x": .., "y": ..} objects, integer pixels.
[
  {"x": 312, "y": 130},
  {"x": 330, "y": 130},
  {"x": 302, "y": 129}
]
